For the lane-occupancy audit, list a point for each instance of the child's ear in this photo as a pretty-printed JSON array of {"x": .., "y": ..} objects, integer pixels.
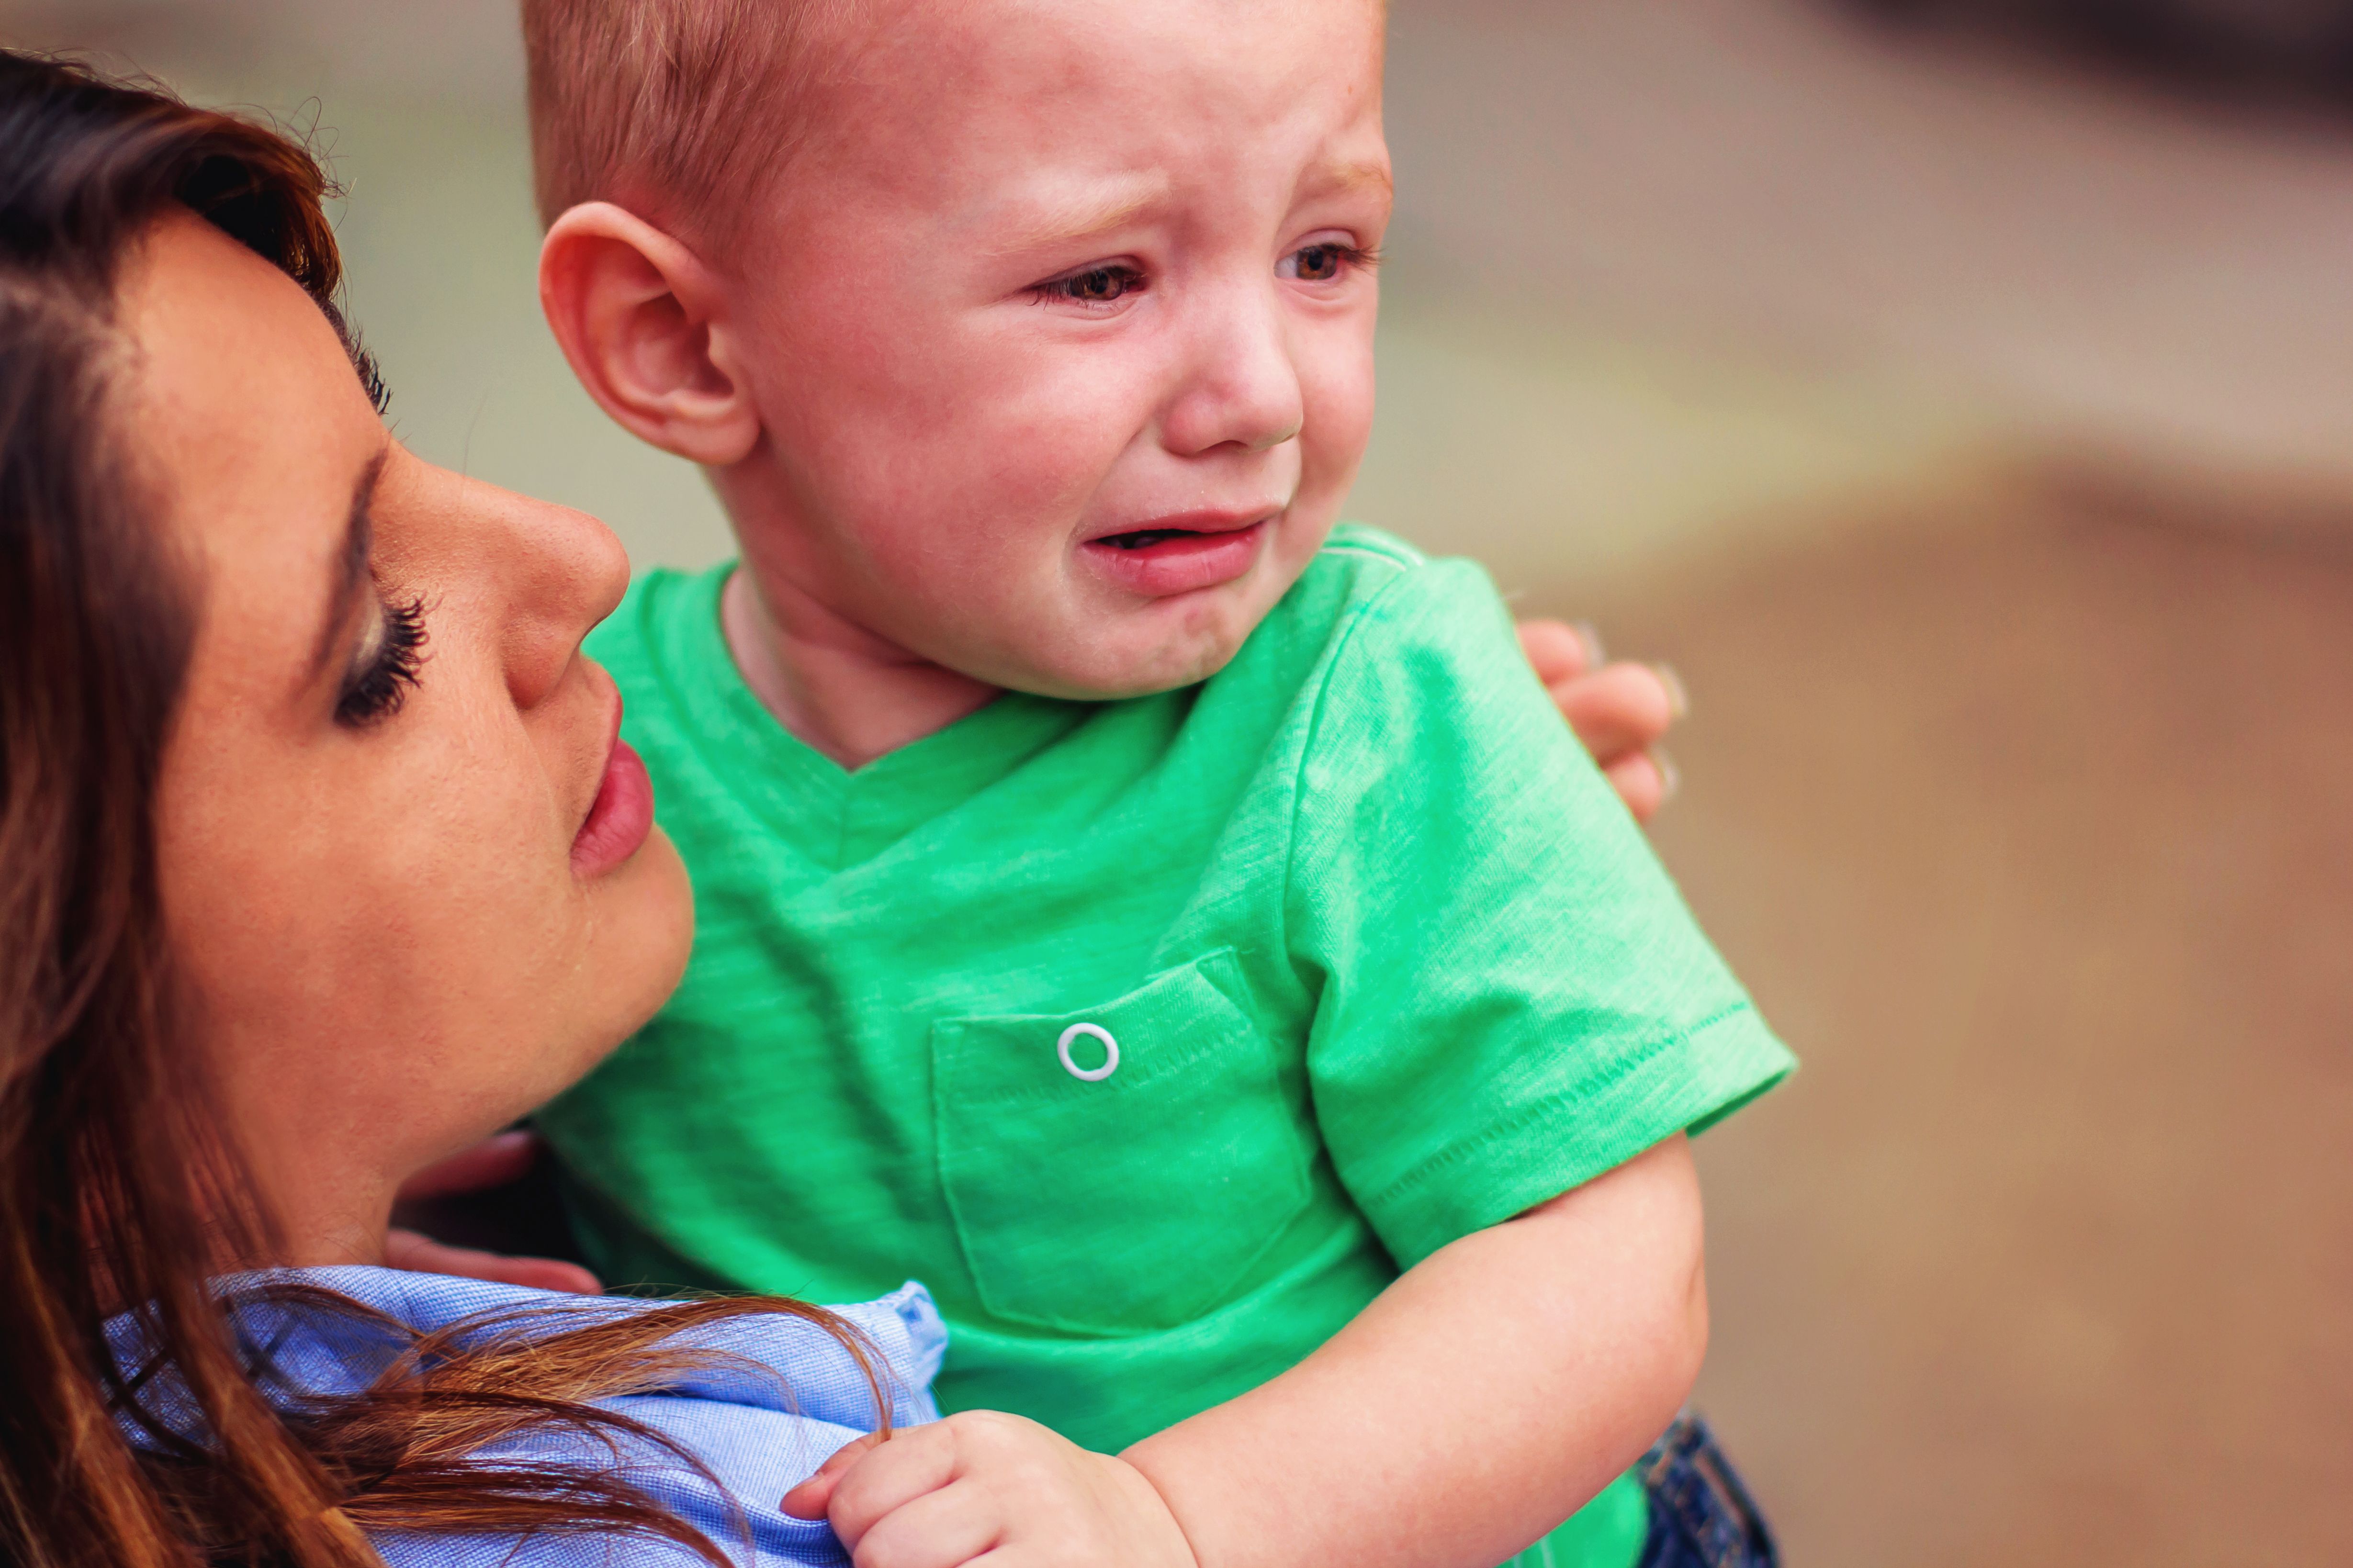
[{"x": 639, "y": 317}]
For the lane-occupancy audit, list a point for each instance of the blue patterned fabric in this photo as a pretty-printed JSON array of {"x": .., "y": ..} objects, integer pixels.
[{"x": 785, "y": 1397}]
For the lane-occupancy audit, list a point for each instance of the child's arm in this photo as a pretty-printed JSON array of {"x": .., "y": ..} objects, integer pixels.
[
  {"x": 1482, "y": 1398},
  {"x": 1480, "y": 1401}
]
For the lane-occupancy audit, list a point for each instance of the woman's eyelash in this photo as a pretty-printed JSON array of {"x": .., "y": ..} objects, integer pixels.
[{"x": 381, "y": 684}]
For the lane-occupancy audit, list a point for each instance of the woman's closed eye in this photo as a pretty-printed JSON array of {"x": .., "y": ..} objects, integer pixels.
[{"x": 390, "y": 660}]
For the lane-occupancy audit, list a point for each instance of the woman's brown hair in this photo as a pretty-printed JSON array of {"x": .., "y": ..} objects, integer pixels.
[{"x": 139, "y": 1427}]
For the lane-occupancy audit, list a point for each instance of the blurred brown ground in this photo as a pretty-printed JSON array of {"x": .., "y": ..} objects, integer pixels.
[{"x": 2024, "y": 812}]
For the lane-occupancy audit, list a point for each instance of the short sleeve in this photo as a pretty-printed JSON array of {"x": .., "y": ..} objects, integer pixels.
[{"x": 1513, "y": 997}]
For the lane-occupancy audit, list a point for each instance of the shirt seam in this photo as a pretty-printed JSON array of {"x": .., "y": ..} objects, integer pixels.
[{"x": 1340, "y": 648}]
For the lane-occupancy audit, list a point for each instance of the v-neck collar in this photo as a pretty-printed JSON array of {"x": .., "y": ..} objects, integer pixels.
[{"x": 840, "y": 815}]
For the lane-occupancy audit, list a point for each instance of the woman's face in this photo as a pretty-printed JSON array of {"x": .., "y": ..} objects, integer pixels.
[{"x": 414, "y": 891}]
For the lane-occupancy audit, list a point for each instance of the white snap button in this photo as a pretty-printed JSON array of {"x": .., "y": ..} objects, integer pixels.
[{"x": 1088, "y": 1074}]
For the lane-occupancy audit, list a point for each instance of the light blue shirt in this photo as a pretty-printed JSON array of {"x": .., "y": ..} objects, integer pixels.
[{"x": 791, "y": 1397}]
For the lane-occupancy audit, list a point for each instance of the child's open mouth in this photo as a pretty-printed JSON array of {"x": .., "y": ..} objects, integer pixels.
[
  {"x": 1165, "y": 558},
  {"x": 1146, "y": 538}
]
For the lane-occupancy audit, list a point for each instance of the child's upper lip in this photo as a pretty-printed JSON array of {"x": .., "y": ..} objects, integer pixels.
[{"x": 1205, "y": 519}]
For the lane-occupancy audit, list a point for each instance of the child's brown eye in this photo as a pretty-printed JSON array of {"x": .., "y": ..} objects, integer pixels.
[
  {"x": 1095, "y": 286},
  {"x": 1319, "y": 263}
]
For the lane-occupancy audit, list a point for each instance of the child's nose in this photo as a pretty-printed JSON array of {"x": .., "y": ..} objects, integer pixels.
[{"x": 1240, "y": 386}]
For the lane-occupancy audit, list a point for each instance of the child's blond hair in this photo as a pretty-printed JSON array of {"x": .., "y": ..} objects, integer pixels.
[{"x": 675, "y": 109}]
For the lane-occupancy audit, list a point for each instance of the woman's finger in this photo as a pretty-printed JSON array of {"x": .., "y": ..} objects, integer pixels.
[
  {"x": 493, "y": 1163},
  {"x": 1621, "y": 709},
  {"x": 1559, "y": 650},
  {"x": 421, "y": 1254},
  {"x": 1645, "y": 782}
]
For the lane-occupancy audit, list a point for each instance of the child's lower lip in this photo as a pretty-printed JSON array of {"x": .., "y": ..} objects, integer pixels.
[{"x": 1180, "y": 563}]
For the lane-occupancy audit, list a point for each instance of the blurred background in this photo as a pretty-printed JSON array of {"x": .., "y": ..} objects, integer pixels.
[{"x": 1960, "y": 395}]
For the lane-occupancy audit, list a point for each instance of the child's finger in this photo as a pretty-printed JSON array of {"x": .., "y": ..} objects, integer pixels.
[
  {"x": 1621, "y": 709},
  {"x": 1559, "y": 650},
  {"x": 894, "y": 1474},
  {"x": 810, "y": 1499},
  {"x": 421, "y": 1254},
  {"x": 942, "y": 1528}
]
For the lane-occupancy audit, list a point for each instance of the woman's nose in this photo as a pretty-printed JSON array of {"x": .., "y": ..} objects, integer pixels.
[
  {"x": 564, "y": 572},
  {"x": 1240, "y": 385}
]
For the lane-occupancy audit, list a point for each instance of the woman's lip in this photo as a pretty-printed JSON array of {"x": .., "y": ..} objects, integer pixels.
[
  {"x": 1198, "y": 554},
  {"x": 621, "y": 818}
]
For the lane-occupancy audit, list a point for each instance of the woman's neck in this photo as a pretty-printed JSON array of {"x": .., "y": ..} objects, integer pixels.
[
  {"x": 325, "y": 1212},
  {"x": 838, "y": 688}
]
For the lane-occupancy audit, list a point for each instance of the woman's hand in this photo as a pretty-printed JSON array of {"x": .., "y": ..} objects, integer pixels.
[
  {"x": 421, "y": 1254},
  {"x": 983, "y": 1482},
  {"x": 1619, "y": 710},
  {"x": 493, "y": 1162}
]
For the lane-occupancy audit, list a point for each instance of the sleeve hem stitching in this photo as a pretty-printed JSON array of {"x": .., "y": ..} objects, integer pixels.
[{"x": 1459, "y": 1153}]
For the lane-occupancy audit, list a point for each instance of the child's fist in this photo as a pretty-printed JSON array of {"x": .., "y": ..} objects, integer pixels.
[
  {"x": 983, "y": 1482},
  {"x": 1619, "y": 710}
]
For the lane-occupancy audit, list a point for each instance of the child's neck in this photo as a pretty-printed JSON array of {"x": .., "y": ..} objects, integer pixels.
[{"x": 838, "y": 686}]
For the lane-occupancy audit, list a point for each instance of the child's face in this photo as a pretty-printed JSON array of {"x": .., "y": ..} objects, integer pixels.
[{"x": 1062, "y": 329}]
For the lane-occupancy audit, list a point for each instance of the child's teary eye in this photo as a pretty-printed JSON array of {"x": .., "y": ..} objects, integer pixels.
[
  {"x": 1092, "y": 286},
  {"x": 389, "y": 664},
  {"x": 1324, "y": 261}
]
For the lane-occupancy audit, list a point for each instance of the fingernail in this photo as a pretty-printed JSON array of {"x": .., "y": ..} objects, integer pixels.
[
  {"x": 1678, "y": 695},
  {"x": 1671, "y": 777},
  {"x": 1596, "y": 656}
]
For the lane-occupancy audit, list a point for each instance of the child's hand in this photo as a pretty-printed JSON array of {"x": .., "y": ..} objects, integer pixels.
[
  {"x": 983, "y": 1482},
  {"x": 1619, "y": 710}
]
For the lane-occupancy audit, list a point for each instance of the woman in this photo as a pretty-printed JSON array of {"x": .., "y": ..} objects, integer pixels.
[{"x": 307, "y": 797}]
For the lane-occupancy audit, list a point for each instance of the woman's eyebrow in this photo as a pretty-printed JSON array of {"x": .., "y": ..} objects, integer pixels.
[{"x": 351, "y": 564}]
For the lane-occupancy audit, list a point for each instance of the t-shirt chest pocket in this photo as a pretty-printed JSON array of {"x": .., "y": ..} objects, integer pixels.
[{"x": 1119, "y": 1168}]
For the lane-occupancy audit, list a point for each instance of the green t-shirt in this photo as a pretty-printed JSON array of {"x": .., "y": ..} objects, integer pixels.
[{"x": 1371, "y": 953}]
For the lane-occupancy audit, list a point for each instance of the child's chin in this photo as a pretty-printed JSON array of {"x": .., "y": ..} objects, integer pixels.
[{"x": 1146, "y": 674}]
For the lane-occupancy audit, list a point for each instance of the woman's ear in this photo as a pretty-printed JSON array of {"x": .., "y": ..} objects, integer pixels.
[{"x": 638, "y": 315}]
